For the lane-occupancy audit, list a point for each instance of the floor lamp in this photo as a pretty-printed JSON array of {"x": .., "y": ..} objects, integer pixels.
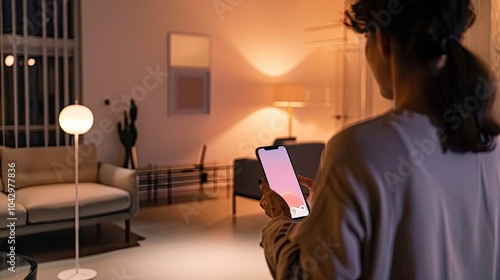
[
  {"x": 76, "y": 119},
  {"x": 289, "y": 96}
]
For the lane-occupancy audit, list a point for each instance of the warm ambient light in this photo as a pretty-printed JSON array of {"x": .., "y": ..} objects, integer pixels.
[
  {"x": 273, "y": 45},
  {"x": 76, "y": 119},
  {"x": 274, "y": 59},
  {"x": 290, "y": 95},
  {"x": 9, "y": 60}
]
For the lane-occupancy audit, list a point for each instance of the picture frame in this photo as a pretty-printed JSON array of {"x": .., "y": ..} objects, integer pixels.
[
  {"x": 189, "y": 91},
  {"x": 188, "y": 61}
]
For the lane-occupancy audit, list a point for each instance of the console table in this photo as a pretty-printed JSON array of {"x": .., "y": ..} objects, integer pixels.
[{"x": 154, "y": 176}]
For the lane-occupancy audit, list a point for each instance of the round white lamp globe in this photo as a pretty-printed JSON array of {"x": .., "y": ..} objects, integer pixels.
[{"x": 76, "y": 119}]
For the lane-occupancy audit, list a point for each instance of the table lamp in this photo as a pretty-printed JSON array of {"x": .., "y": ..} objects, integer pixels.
[
  {"x": 76, "y": 119},
  {"x": 290, "y": 96}
]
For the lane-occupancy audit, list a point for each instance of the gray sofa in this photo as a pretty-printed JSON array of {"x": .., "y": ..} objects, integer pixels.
[
  {"x": 305, "y": 158},
  {"x": 41, "y": 193}
]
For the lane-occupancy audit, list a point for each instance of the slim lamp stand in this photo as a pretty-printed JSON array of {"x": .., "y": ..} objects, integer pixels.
[{"x": 77, "y": 273}]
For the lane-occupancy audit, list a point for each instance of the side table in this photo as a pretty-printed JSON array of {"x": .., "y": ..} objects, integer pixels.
[{"x": 17, "y": 267}]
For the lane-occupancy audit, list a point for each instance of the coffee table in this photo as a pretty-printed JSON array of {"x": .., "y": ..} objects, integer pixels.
[{"x": 17, "y": 267}]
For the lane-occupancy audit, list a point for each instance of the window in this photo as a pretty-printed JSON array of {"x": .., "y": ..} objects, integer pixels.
[{"x": 39, "y": 71}]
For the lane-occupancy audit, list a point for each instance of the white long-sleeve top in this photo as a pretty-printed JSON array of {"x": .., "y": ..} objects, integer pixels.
[{"x": 393, "y": 204}]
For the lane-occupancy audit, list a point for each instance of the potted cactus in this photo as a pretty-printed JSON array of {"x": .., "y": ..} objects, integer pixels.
[{"x": 128, "y": 133}]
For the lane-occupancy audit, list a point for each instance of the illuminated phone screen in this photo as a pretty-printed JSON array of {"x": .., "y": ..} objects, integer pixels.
[{"x": 282, "y": 179}]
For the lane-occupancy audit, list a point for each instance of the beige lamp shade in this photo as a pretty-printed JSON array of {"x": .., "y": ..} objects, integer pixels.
[
  {"x": 289, "y": 95},
  {"x": 76, "y": 119}
]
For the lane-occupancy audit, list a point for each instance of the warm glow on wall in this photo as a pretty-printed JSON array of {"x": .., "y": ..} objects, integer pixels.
[
  {"x": 259, "y": 128},
  {"x": 271, "y": 42},
  {"x": 274, "y": 57}
]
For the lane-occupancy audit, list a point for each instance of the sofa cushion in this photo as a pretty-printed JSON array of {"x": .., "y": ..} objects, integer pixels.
[
  {"x": 48, "y": 165},
  {"x": 19, "y": 210},
  {"x": 50, "y": 203}
]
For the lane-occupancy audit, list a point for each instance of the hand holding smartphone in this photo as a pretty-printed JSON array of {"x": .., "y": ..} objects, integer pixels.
[{"x": 280, "y": 175}]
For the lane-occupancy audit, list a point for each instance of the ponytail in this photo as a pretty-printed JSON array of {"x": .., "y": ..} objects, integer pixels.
[
  {"x": 429, "y": 28},
  {"x": 465, "y": 100}
]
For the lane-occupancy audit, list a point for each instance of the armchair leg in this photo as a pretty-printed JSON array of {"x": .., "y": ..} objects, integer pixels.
[
  {"x": 98, "y": 230},
  {"x": 127, "y": 230},
  {"x": 234, "y": 205}
]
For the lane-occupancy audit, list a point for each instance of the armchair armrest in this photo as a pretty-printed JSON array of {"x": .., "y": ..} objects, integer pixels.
[{"x": 122, "y": 178}]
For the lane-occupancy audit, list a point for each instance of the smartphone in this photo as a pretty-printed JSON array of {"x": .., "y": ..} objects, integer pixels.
[{"x": 282, "y": 179}]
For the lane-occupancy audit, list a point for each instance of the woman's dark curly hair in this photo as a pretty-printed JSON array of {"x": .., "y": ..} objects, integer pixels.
[{"x": 429, "y": 29}]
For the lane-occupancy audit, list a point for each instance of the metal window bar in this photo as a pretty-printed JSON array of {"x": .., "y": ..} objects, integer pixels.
[
  {"x": 25, "y": 45},
  {"x": 14, "y": 71},
  {"x": 45, "y": 76},
  {"x": 56, "y": 72},
  {"x": 65, "y": 58},
  {"x": 26, "y": 74},
  {"x": 76, "y": 51},
  {"x": 2, "y": 78}
]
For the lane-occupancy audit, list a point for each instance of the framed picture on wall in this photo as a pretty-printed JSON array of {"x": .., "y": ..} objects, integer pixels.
[
  {"x": 189, "y": 91},
  {"x": 188, "y": 60}
]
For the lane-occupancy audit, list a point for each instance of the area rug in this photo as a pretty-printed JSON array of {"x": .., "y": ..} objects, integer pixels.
[{"x": 58, "y": 245}]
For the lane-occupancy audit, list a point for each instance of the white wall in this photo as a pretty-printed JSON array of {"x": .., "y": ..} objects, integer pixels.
[
  {"x": 495, "y": 38},
  {"x": 256, "y": 44},
  {"x": 495, "y": 50}
]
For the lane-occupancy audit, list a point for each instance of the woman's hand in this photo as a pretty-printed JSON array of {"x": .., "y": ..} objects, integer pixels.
[
  {"x": 272, "y": 203},
  {"x": 311, "y": 185}
]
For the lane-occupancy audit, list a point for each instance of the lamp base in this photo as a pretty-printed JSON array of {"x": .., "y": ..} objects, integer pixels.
[{"x": 83, "y": 274}]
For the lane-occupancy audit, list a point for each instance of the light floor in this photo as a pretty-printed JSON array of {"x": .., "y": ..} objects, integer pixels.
[{"x": 197, "y": 239}]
